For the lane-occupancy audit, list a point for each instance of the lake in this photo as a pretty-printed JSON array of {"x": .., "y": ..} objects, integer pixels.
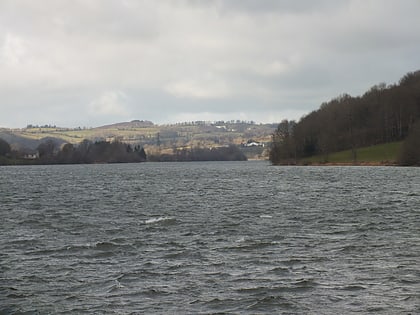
[{"x": 206, "y": 238}]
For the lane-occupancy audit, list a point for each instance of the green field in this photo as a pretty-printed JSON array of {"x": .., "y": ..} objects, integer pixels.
[{"x": 377, "y": 154}]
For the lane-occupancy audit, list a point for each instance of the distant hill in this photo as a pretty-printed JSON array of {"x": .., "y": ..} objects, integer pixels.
[
  {"x": 156, "y": 139},
  {"x": 18, "y": 141},
  {"x": 128, "y": 125},
  {"x": 22, "y": 143}
]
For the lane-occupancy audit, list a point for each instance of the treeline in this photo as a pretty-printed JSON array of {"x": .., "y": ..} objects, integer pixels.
[
  {"x": 5, "y": 152},
  {"x": 383, "y": 114},
  {"x": 30, "y": 126},
  {"x": 230, "y": 153},
  {"x": 86, "y": 152}
]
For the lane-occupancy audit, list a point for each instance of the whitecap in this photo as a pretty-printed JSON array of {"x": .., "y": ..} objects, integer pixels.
[
  {"x": 266, "y": 216},
  {"x": 118, "y": 284},
  {"x": 157, "y": 220}
]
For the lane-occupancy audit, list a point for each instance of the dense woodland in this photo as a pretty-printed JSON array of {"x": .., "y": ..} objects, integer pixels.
[
  {"x": 87, "y": 152},
  {"x": 49, "y": 152},
  {"x": 229, "y": 153},
  {"x": 383, "y": 114}
]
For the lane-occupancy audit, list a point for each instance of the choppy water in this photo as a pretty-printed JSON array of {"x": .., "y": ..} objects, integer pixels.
[{"x": 204, "y": 238}]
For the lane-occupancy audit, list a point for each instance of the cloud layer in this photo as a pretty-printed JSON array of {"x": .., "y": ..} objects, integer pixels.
[{"x": 73, "y": 63}]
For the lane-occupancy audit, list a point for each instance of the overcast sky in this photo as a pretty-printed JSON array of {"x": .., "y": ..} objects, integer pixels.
[{"x": 93, "y": 62}]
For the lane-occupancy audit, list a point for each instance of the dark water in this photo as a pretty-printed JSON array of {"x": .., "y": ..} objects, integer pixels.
[{"x": 205, "y": 238}]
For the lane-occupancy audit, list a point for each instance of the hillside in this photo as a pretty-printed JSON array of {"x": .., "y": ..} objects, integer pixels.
[
  {"x": 20, "y": 142},
  {"x": 382, "y": 115},
  {"x": 162, "y": 139}
]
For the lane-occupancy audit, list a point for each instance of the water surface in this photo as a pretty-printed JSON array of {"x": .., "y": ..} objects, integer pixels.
[{"x": 205, "y": 238}]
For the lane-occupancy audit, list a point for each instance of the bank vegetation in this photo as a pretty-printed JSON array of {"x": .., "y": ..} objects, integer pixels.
[{"x": 384, "y": 114}]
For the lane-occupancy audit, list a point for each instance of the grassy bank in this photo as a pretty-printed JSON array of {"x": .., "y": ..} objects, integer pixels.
[{"x": 381, "y": 154}]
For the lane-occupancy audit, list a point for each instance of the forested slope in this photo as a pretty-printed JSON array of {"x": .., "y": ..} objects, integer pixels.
[{"x": 383, "y": 114}]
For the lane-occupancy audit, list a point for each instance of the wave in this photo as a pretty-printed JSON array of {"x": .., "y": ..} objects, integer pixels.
[
  {"x": 352, "y": 287},
  {"x": 160, "y": 220},
  {"x": 105, "y": 245},
  {"x": 271, "y": 303},
  {"x": 116, "y": 286}
]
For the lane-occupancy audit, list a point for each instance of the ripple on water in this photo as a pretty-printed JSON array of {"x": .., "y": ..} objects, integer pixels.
[{"x": 205, "y": 238}]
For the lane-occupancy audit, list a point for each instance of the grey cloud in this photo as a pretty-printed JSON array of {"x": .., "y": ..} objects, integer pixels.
[
  {"x": 162, "y": 60},
  {"x": 266, "y": 6},
  {"x": 113, "y": 19}
]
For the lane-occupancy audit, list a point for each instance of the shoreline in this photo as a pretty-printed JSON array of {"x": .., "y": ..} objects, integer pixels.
[
  {"x": 362, "y": 163},
  {"x": 384, "y": 163}
]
